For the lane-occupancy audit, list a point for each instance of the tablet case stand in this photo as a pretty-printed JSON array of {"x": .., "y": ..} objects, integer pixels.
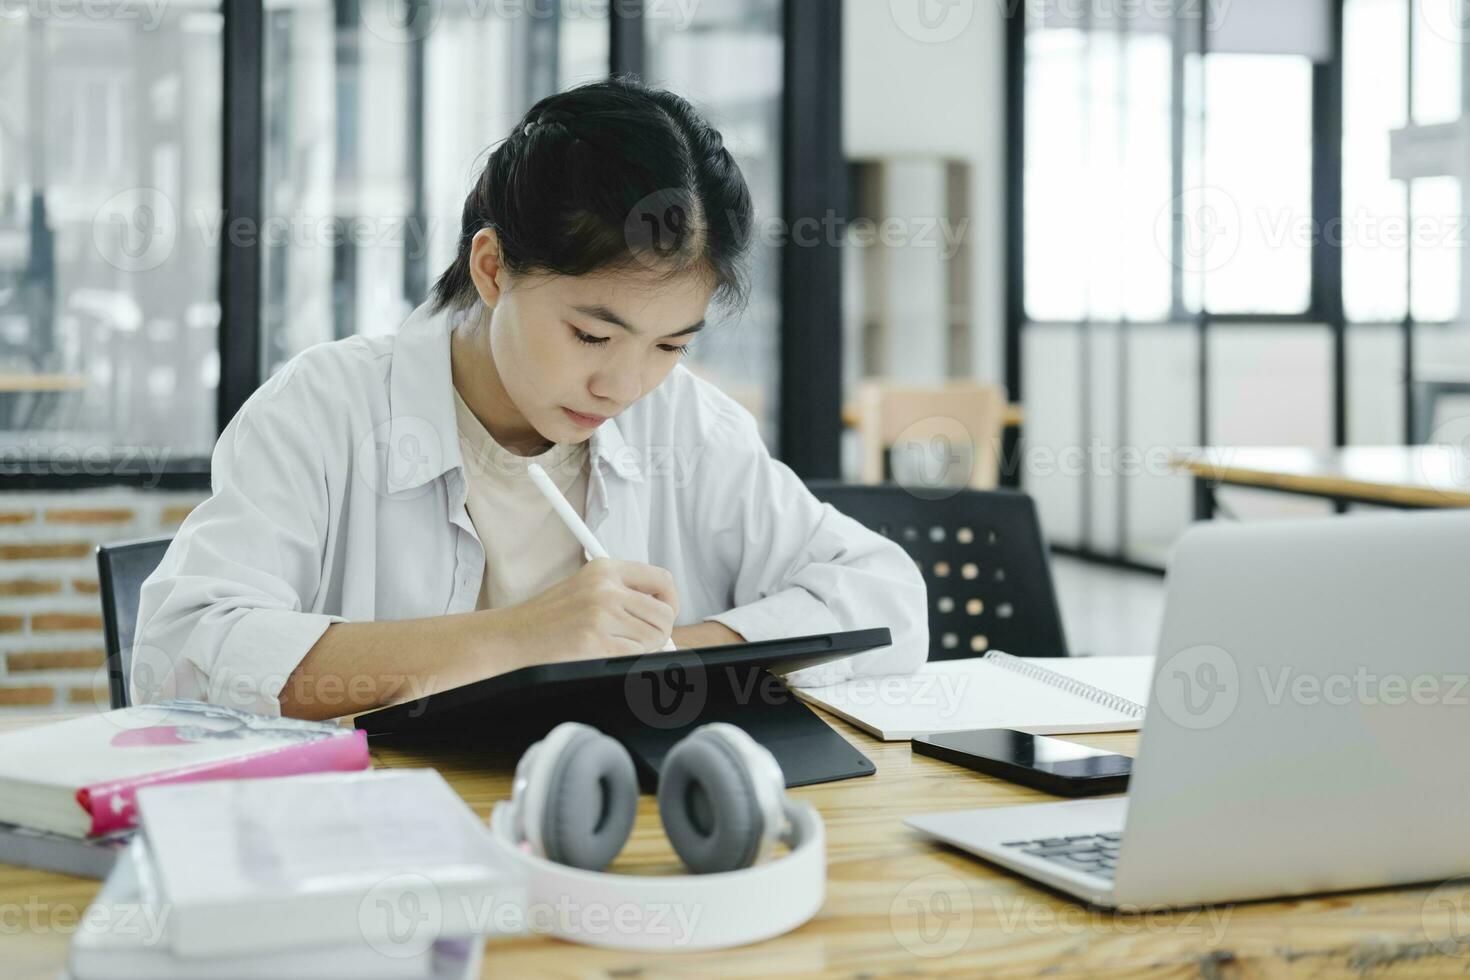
[{"x": 807, "y": 748}]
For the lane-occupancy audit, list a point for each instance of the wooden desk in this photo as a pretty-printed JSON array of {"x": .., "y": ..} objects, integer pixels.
[
  {"x": 1389, "y": 476},
  {"x": 980, "y": 921}
]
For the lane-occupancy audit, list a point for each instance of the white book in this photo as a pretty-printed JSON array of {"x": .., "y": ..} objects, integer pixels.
[
  {"x": 31, "y": 848},
  {"x": 1040, "y": 695},
  {"x": 79, "y": 777},
  {"x": 249, "y": 866},
  {"x": 121, "y": 936}
]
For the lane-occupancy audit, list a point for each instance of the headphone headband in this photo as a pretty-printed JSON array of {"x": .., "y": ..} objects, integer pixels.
[{"x": 673, "y": 912}]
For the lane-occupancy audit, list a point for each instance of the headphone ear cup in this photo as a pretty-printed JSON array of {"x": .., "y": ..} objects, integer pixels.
[
  {"x": 591, "y": 800},
  {"x": 707, "y": 801}
]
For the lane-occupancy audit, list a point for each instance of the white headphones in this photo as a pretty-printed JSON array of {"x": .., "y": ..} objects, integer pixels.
[{"x": 723, "y": 802}]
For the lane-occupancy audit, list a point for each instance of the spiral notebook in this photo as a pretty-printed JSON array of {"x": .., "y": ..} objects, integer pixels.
[{"x": 1041, "y": 695}]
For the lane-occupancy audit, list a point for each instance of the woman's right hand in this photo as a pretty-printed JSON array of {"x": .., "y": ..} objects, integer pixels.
[{"x": 607, "y": 608}]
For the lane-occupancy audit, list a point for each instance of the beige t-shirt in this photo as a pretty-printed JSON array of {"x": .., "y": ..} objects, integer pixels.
[{"x": 527, "y": 547}]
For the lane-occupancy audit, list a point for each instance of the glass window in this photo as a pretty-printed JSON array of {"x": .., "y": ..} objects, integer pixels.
[
  {"x": 1159, "y": 418},
  {"x": 1107, "y": 242},
  {"x": 378, "y": 119},
  {"x": 1097, "y": 175},
  {"x": 109, "y": 222},
  {"x": 1375, "y": 384},
  {"x": 1375, "y": 260},
  {"x": 1253, "y": 208},
  {"x": 1056, "y": 200},
  {"x": 727, "y": 62},
  {"x": 1437, "y": 220},
  {"x": 1270, "y": 385},
  {"x": 1441, "y": 29}
]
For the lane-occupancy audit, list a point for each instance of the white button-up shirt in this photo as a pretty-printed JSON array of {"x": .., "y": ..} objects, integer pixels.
[{"x": 339, "y": 494}]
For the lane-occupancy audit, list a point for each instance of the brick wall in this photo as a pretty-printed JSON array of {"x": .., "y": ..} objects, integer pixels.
[{"x": 51, "y": 649}]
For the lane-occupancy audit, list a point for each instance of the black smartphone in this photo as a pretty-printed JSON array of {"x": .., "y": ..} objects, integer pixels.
[{"x": 1049, "y": 764}]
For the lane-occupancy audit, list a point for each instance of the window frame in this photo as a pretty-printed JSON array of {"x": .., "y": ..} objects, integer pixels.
[
  {"x": 1324, "y": 309},
  {"x": 813, "y": 181}
]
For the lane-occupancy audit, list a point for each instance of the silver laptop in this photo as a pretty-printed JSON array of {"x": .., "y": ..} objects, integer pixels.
[{"x": 1308, "y": 728}]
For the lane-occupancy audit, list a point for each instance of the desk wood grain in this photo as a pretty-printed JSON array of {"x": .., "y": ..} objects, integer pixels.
[{"x": 898, "y": 905}]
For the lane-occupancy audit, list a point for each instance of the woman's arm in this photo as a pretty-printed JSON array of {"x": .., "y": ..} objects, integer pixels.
[
  {"x": 224, "y": 616},
  {"x": 360, "y": 666},
  {"x": 605, "y": 609}
]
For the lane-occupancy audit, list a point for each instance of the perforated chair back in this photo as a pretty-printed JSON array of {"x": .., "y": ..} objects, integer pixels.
[
  {"x": 121, "y": 569},
  {"x": 983, "y": 558}
]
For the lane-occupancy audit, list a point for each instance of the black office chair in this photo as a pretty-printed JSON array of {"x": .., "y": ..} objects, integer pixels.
[
  {"x": 983, "y": 558},
  {"x": 121, "y": 569}
]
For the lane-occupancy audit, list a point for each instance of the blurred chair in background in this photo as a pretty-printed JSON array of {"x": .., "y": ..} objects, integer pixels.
[
  {"x": 984, "y": 560},
  {"x": 955, "y": 426},
  {"x": 121, "y": 569}
]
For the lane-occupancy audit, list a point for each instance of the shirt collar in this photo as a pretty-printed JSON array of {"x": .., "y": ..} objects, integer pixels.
[{"x": 423, "y": 437}]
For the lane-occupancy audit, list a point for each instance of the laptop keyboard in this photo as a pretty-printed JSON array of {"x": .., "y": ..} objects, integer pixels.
[{"x": 1096, "y": 854}]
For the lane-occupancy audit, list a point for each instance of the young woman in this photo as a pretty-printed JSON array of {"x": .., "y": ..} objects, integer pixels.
[{"x": 372, "y": 535}]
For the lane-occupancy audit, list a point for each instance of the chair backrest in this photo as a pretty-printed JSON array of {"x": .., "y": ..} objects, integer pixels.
[
  {"x": 983, "y": 558},
  {"x": 917, "y": 420},
  {"x": 121, "y": 569}
]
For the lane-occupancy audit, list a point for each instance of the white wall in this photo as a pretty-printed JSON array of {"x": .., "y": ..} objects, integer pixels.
[{"x": 908, "y": 91}]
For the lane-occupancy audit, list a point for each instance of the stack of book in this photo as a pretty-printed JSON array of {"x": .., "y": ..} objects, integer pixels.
[
  {"x": 68, "y": 790},
  {"x": 369, "y": 876}
]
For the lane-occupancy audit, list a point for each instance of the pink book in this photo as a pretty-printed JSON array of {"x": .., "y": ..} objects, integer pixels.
[{"x": 80, "y": 777}]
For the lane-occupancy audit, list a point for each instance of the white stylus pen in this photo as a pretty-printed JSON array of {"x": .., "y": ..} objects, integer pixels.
[{"x": 572, "y": 520}]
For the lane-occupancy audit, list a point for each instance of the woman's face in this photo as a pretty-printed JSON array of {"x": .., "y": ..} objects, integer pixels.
[{"x": 574, "y": 351}]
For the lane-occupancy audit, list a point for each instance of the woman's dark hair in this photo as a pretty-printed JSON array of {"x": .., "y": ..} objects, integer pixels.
[{"x": 603, "y": 175}]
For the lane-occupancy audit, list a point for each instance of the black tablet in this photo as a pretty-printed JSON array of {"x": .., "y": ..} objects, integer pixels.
[{"x": 563, "y": 683}]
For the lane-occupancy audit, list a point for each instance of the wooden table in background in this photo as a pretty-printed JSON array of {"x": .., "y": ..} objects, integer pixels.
[
  {"x": 17, "y": 383},
  {"x": 42, "y": 389},
  {"x": 899, "y": 905},
  {"x": 1388, "y": 476},
  {"x": 1012, "y": 419}
]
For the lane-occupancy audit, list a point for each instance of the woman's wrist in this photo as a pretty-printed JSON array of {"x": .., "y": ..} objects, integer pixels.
[
  {"x": 706, "y": 634},
  {"x": 495, "y": 641}
]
